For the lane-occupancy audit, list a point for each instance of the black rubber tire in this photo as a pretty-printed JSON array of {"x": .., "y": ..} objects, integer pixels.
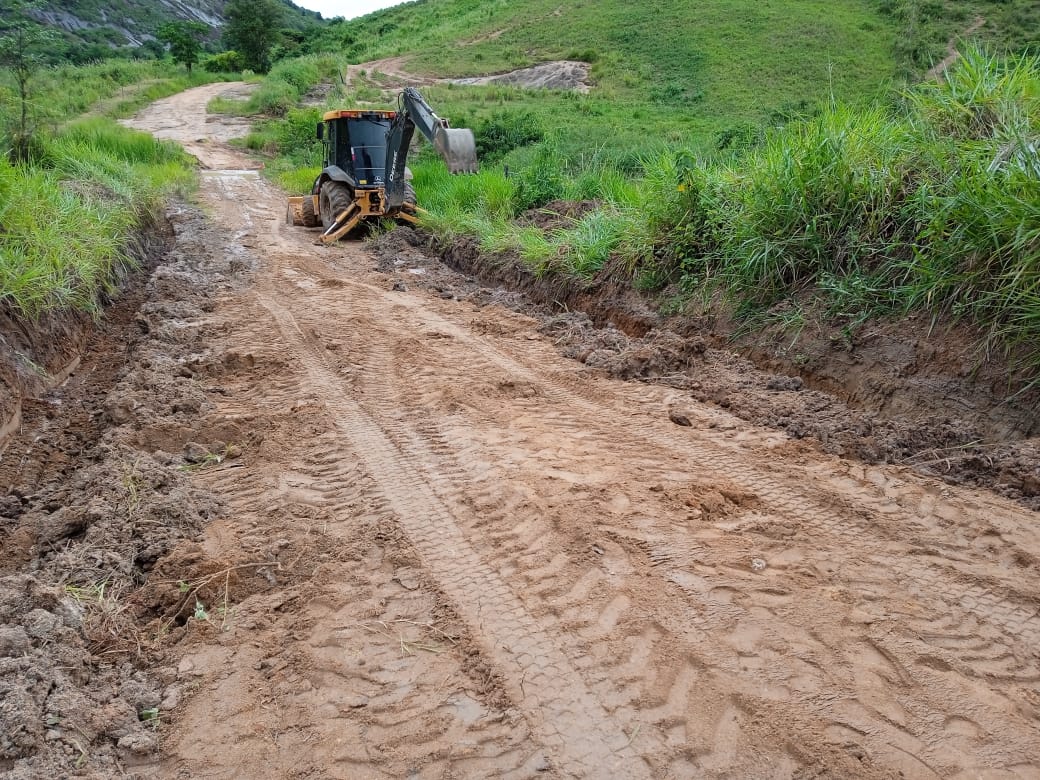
[
  {"x": 310, "y": 219},
  {"x": 333, "y": 200},
  {"x": 409, "y": 194}
]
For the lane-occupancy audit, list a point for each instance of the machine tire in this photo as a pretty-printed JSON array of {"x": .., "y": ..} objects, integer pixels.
[
  {"x": 333, "y": 199},
  {"x": 310, "y": 219},
  {"x": 409, "y": 194}
]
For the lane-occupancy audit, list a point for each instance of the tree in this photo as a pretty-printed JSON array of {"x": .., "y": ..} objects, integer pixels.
[
  {"x": 23, "y": 48},
  {"x": 252, "y": 28},
  {"x": 184, "y": 40}
]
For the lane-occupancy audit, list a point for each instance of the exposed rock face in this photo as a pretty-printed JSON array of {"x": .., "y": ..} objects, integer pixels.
[
  {"x": 124, "y": 22},
  {"x": 130, "y": 22}
]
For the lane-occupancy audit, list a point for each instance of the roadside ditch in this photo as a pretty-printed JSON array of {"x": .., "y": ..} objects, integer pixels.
[{"x": 908, "y": 392}]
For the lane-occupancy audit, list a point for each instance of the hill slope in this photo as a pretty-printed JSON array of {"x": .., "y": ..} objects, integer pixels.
[{"x": 133, "y": 22}]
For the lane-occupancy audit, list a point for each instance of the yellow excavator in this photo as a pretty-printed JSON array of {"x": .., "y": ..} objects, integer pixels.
[{"x": 365, "y": 175}]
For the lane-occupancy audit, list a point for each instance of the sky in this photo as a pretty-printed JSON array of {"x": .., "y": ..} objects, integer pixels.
[{"x": 346, "y": 8}]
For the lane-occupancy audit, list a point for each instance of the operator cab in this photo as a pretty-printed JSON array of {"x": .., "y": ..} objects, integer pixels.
[{"x": 356, "y": 142}]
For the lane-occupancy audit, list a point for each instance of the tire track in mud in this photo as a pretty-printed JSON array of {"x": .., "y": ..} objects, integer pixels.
[
  {"x": 780, "y": 500},
  {"x": 539, "y": 678},
  {"x": 352, "y": 648},
  {"x": 526, "y": 555},
  {"x": 842, "y": 521}
]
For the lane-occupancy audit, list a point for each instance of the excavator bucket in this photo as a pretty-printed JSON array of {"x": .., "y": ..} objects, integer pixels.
[{"x": 458, "y": 148}]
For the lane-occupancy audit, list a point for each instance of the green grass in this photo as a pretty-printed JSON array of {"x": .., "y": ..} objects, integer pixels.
[
  {"x": 932, "y": 205},
  {"x": 67, "y": 219}
]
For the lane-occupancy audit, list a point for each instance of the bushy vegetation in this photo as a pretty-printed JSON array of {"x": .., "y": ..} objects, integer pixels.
[
  {"x": 926, "y": 27},
  {"x": 66, "y": 220},
  {"x": 931, "y": 205},
  {"x": 284, "y": 87},
  {"x": 109, "y": 26}
]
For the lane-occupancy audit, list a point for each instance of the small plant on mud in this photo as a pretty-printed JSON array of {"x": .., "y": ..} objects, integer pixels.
[
  {"x": 132, "y": 485},
  {"x": 150, "y": 716},
  {"x": 91, "y": 594},
  {"x": 209, "y": 459}
]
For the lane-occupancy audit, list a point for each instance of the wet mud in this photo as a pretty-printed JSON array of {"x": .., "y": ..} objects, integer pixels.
[
  {"x": 340, "y": 512},
  {"x": 908, "y": 393}
]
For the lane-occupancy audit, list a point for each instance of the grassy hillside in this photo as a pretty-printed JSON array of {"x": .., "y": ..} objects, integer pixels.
[
  {"x": 708, "y": 74},
  {"x": 767, "y": 155},
  {"x": 665, "y": 73},
  {"x": 716, "y": 61}
]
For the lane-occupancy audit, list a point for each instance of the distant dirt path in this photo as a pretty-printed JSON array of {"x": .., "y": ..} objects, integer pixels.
[
  {"x": 559, "y": 74},
  {"x": 484, "y": 560},
  {"x": 952, "y": 55}
]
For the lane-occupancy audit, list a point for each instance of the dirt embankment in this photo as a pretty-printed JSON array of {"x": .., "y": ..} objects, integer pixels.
[
  {"x": 86, "y": 513},
  {"x": 906, "y": 392},
  {"x": 37, "y": 355}
]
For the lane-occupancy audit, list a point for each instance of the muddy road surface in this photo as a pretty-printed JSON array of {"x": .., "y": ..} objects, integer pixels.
[{"x": 442, "y": 549}]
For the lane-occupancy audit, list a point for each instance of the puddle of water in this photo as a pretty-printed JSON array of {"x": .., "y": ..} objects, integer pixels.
[
  {"x": 468, "y": 710},
  {"x": 231, "y": 173}
]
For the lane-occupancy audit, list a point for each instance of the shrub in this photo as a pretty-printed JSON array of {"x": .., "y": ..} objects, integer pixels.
[
  {"x": 504, "y": 131},
  {"x": 225, "y": 62}
]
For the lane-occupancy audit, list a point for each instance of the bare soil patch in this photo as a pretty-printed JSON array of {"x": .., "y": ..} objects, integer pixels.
[
  {"x": 560, "y": 74},
  {"x": 910, "y": 392}
]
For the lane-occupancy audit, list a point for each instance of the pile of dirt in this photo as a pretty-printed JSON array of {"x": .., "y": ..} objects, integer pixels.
[
  {"x": 919, "y": 406},
  {"x": 95, "y": 495}
]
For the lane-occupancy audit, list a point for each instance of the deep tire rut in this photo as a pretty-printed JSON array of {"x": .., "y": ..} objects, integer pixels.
[{"x": 539, "y": 677}]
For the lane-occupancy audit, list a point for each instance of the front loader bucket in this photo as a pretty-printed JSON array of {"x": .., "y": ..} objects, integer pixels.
[
  {"x": 458, "y": 148},
  {"x": 294, "y": 214}
]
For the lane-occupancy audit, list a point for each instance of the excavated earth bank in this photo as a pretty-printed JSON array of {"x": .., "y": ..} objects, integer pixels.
[
  {"x": 907, "y": 392},
  {"x": 86, "y": 513}
]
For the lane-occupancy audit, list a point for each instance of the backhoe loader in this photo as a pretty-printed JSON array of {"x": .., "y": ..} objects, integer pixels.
[{"x": 365, "y": 175}]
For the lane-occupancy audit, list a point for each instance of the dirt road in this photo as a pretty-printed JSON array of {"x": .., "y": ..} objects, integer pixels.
[{"x": 448, "y": 551}]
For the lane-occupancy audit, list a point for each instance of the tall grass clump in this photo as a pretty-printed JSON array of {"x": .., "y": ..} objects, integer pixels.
[
  {"x": 823, "y": 197},
  {"x": 935, "y": 206},
  {"x": 68, "y": 219},
  {"x": 284, "y": 86}
]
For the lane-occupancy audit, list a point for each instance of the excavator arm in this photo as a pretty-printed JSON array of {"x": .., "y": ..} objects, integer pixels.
[{"x": 456, "y": 146}]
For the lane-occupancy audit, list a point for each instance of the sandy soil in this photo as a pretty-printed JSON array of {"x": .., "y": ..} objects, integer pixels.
[{"x": 416, "y": 540}]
